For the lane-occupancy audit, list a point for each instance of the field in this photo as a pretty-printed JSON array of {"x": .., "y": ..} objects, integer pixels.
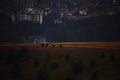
[{"x": 72, "y": 61}]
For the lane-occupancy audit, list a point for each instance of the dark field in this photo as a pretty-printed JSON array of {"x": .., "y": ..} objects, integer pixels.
[{"x": 72, "y": 61}]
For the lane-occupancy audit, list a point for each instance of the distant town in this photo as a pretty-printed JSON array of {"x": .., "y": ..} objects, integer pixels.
[{"x": 59, "y": 11}]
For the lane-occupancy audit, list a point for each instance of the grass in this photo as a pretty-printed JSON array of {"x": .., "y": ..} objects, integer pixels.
[
  {"x": 104, "y": 45},
  {"x": 60, "y": 63}
]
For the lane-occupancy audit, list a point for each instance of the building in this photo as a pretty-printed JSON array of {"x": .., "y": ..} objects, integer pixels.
[{"x": 28, "y": 14}]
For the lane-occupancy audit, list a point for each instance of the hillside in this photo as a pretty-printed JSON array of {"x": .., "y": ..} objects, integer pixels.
[{"x": 101, "y": 28}]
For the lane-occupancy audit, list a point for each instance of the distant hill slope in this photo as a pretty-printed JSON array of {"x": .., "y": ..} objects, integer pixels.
[{"x": 101, "y": 28}]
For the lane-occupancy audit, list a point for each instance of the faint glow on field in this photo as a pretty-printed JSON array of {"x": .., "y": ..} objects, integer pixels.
[{"x": 104, "y": 45}]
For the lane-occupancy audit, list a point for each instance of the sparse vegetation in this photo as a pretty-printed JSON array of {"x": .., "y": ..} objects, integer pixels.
[
  {"x": 94, "y": 76},
  {"x": 54, "y": 66},
  {"x": 67, "y": 57},
  {"x": 11, "y": 58},
  {"x": 77, "y": 68},
  {"x": 112, "y": 58},
  {"x": 42, "y": 76},
  {"x": 67, "y": 78},
  {"x": 2, "y": 58},
  {"x": 45, "y": 64},
  {"x": 15, "y": 72},
  {"x": 23, "y": 55},
  {"x": 102, "y": 55},
  {"x": 48, "y": 59},
  {"x": 93, "y": 64},
  {"x": 36, "y": 62}
]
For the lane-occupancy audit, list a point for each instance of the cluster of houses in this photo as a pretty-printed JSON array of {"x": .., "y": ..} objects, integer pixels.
[
  {"x": 35, "y": 12},
  {"x": 28, "y": 14}
]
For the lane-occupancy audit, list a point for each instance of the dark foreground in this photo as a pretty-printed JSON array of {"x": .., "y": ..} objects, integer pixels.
[{"x": 59, "y": 63}]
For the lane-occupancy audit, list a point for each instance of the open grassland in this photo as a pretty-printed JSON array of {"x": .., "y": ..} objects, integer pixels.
[
  {"x": 104, "y": 45},
  {"x": 72, "y": 61}
]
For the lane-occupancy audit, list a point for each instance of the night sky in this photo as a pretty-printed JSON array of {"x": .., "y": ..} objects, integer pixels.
[{"x": 101, "y": 28}]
